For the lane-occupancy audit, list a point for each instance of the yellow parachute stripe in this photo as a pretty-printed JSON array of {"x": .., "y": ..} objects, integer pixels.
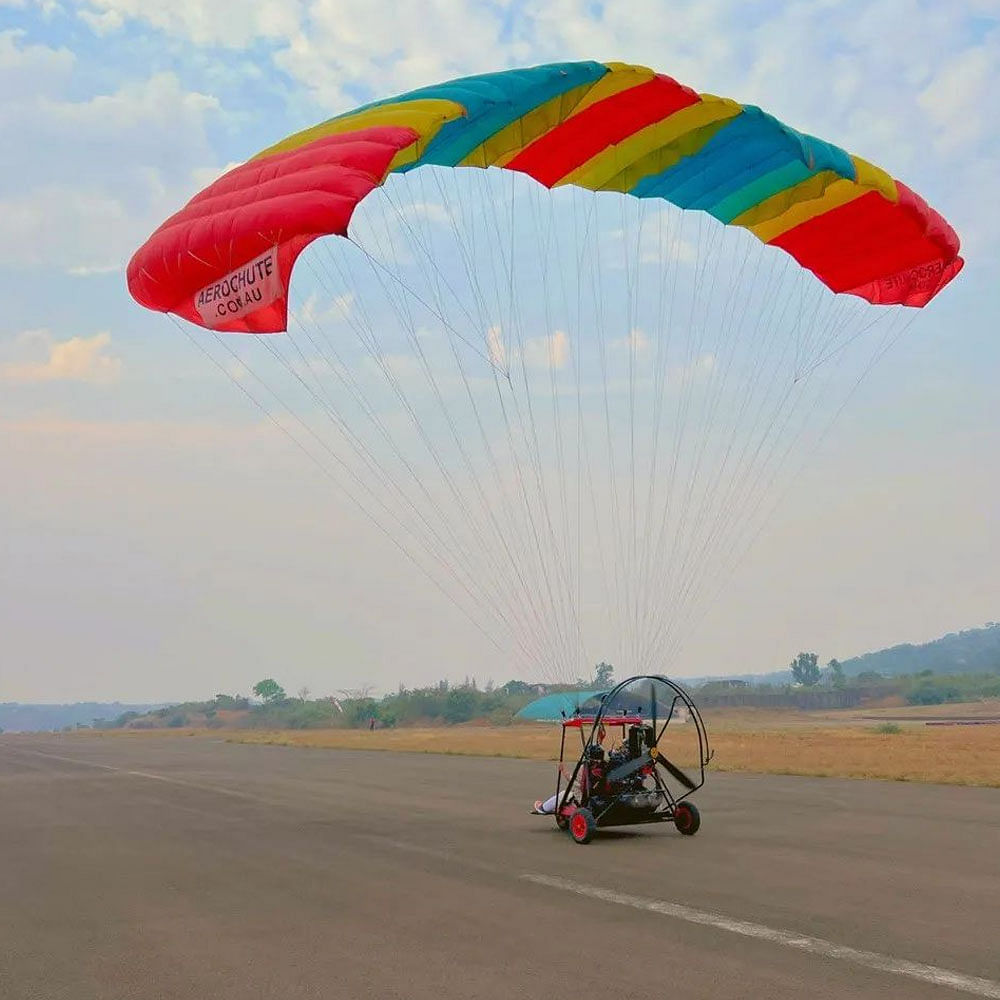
[
  {"x": 818, "y": 194},
  {"x": 424, "y": 116},
  {"x": 614, "y": 162},
  {"x": 795, "y": 205},
  {"x": 621, "y": 77},
  {"x": 870, "y": 176},
  {"x": 501, "y": 147}
]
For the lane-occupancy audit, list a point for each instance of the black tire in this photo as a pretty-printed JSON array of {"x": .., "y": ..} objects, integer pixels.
[
  {"x": 582, "y": 826},
  {"x": 687, "y": 819},
  {"x": 562, "y": 822}
]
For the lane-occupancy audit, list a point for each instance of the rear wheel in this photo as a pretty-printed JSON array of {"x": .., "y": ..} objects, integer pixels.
[
  {"x": 562, "y": 822},
  {"x": 582, "y": 826},
  {"x": 687, "y": 819}
]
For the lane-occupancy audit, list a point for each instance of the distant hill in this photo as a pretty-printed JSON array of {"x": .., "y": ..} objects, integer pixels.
[
  {"x": 972, "y": 651},
  {"x": 16, "y": 718}
]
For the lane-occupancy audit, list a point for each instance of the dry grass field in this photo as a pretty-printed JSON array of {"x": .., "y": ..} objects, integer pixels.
[
  {"x": 829, "y": 744},
  {"x": 846, "y": 744}
]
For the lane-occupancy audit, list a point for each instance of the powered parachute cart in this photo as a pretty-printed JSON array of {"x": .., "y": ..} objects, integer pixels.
[{"x": 623, "y": 776}]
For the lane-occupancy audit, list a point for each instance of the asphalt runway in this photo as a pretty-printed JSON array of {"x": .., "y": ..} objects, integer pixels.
[{"x": 174, "y": 867}]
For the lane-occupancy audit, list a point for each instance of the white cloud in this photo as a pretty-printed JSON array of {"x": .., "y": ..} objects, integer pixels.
[
  {"x": 313, "y": 366},
  {"x": 48, "y": 8},
  {"x": 953, "y": 100},
  {"x": 398, "y": 366},
  {"x": 89, "y": 271},
  {"x": 201, "y": 177},
  {"x": 79, "y": 359},
  {"x": 104, "y": 22},
  {"x": 547, "y": 352},
  {"x": 496, "y": 350},
  {"x": 431, "y": 211},
  {"x": 236, "y": 370},
  {"x": 636, "y": 342},
  {"x": 343, "y": 46},
  {"x": 654, "y": 239},
  {"x": 75, "y": 230},
  {"x": 88, "y": 179},
  {"x": 31, "y": 70},
  {"x": 319, "y": 309},
  {"x": 226, "y": 23},
  {"x": 701, "y": 368},
  {"x": 150, "y": 116}
]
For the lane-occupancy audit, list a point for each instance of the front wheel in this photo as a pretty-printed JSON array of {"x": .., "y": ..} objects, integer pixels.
[
  {"x": 582, "y": 826},
  {"x": 687, "y": 819},
  {"x": 561, "y": 821}
]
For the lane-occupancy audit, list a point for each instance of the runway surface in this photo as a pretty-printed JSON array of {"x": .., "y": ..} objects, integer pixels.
[{"x": 175, "y": 867}]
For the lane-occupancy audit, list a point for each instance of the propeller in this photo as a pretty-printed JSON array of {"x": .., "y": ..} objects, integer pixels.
[
  {"x": 652, "y": 754},
  {"x": 672, "y": 769},
  {"x": 652, "y": 712}
]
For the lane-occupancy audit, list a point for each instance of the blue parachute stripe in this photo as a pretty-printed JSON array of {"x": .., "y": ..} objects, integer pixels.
[
  {"x": 717, "y": 179},
  {"x": 496, "y": 100},
  {"x": 760, "y": 189},
  {"x": 750, "y": 146}
]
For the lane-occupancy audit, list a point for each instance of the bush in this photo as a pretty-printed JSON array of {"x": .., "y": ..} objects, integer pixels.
[
  {"x": 177, "y": 721},
  {"x": 929, "y": 692},
  {"x": 312, "y": 715},
  {"x": 460, "y": 705},
  {"x": 889, "y": 728},
  {"x": 502, "y": 716},
  {"x": 231, "y": 702}
]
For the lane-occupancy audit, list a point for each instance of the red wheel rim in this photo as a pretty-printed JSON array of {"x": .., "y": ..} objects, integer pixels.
[
  {"x": 578, "y": 824},
  {"x": 683, "y": 817}
]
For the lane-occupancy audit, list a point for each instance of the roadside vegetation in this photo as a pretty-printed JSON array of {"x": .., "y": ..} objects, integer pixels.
[
  {"x": 807, "y": 686},
  {"x": 825, "y": 721},
  {"x": 445, "y": 704}
]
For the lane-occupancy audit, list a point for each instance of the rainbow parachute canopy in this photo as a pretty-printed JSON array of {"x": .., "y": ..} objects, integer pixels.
[{"x": 225, "y": 260}]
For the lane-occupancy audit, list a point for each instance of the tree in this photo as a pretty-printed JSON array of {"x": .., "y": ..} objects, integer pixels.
[
  {"x": 269, "y": 691},
  {"x": 362, "y": 693},
  {"x": 837, "y": 678},
  {"x": 929, "y": 692},
  {"x": 517, "y": 688},
  {"x": 869, "y": 677},
  {"x": 460, "y": 705},
  {"x": 231, "y": 702},
  {"x": 604, "y": 674},
  {"x": 303, "y": 694},
  {"x": 805, "y": 669}
]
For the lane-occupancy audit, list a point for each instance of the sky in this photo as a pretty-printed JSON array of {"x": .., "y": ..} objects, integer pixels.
[{"x": 161, "y": 541}]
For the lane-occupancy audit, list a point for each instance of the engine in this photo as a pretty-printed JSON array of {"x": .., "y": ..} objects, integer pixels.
[
  {"x": 631, "y": 782},
  {"x": 629, "y": 791}
]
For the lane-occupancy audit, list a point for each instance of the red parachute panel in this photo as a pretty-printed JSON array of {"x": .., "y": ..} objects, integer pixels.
[
  {"x": 900, "y": 253},
  {"x": 224, "y": 261}
]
